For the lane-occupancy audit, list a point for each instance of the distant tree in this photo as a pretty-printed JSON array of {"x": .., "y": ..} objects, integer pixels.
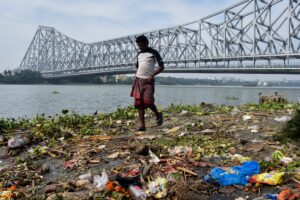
[
  {"x": 28, "y": 77},
  {"x": 22, "y": 77},
  {"x": 2, "y": 78}
]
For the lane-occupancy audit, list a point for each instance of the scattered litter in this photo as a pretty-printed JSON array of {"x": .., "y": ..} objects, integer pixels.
[
  {"x": 283, "y": 119},
  {"x": 99, "y": 137},
  {"x": 100, "y": 181},
  {"x": 240, "y": 198},
  {"x": 113, "y": 155},
  {"x": 277, "y": 155},
  {"x": 208, "y": 131},
  {"x": 254, "y": 128},
  {"x": 81, "y": 183},
  {"x": 288, "y": 194},
  {"x": 129, "y": 123},
  {"x": 235, "y": 111},
  {"x": 8, "y": 193},
  {"x": 246, "y": 117},
  {"x": 184, "y": 112},
  {"x": 149, "y": 137},
  {"x": 186, "y": 170},
  {"x": 286, "y": 160},
  {"x": 158, "y": 187},
  {"x": 70, "y": 164},
  {"x": 241, "y": 158},
  {"x": 154, "y": 158},
  {"x": 180, "y": 150},
  {"x": 237, "y": 175},
  {"x": 137, "y": 193},
  {"x": 101, "y": 147},
  {"x": 182, "y": 134},
  {"x": 95, "y": 161},
  {"x": 87, "y": 176},
  {"x": 160, "y": 164},
  {"x": 271, "y": 196},
  {"x": 16, "y": 142},
  {"x": 173, "y": 130},
  {"x": 272, "y": 178}
]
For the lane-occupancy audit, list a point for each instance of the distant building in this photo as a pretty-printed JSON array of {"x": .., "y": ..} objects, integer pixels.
[
  {"x": 121, "y": 77},
  {"x": 104, "y": 79},
  {"x": 262, "y": 83}
]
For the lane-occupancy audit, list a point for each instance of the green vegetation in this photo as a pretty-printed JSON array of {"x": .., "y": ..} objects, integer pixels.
[
  {"x": 273, "y": 106},
  {"x": 67, "y": 124},
  {"x": 22, "y": 77},
  {"x": 200, "y": 109},
  {"x": 292, "y": 128},
  {"x": 70, "y": 124},
  {"x": 202, "y": 144}
]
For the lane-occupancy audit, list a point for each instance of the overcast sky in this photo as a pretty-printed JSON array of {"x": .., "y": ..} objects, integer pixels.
[{"x": 92, "y": 20}]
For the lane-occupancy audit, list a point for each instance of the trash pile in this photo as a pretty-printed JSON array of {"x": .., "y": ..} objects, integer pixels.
[{"x": 201, "y": 152}]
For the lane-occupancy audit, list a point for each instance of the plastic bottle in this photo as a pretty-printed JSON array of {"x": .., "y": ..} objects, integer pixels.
[{"x": 137, "y": 193}]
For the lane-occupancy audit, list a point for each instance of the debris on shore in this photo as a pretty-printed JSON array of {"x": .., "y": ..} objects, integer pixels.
[{"x": 200, "y": 152}]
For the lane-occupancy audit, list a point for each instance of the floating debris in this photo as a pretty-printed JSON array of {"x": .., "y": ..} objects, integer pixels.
[{"x": 55, "y": 92}]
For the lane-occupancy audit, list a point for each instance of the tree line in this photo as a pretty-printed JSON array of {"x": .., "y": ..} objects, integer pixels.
[
  {"x": 21, "y": 77},
  {"x": 33, "y": 77}
]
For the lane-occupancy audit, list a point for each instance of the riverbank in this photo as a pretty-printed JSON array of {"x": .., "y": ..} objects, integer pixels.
[{"x": 176, "y": 156}]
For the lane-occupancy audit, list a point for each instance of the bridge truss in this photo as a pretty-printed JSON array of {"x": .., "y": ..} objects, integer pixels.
[{"x": 250, "y": 36}]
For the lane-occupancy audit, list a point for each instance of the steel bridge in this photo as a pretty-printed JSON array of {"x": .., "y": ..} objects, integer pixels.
[{"x": 253, "y": 36}]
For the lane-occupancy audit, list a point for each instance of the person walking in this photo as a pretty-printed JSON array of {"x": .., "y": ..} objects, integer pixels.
[{"x": 143, "y": 86}]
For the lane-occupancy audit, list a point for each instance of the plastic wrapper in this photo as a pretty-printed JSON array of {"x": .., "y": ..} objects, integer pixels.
[{"x": 272, "y": 178}]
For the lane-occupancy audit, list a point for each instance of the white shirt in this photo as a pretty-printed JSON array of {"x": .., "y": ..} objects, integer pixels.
[{"x": 146, "y": 61}]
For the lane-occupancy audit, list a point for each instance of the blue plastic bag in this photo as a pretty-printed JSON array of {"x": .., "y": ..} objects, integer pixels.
[
  {"x": 237, "y": 175},
  {"x": 271, "y": 196}
]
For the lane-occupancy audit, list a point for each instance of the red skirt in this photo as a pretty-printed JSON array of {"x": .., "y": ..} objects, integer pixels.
[{"x": 143, "y": 92}]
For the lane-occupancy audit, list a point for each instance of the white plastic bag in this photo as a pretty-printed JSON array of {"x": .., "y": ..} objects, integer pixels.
[{"x": 101, "y": 181}]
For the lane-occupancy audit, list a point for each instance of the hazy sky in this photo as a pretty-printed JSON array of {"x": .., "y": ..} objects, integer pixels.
[{"x": 91, "y": 20}]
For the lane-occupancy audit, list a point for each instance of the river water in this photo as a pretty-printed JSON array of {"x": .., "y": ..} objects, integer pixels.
[{"x": 29, "y": 100}]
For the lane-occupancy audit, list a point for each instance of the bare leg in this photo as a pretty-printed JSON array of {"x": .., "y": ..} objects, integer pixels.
[
  {"x": 159, "y": 116},
  {"x": 141, "y": 112},
  {"x": 154, "y": 109}
]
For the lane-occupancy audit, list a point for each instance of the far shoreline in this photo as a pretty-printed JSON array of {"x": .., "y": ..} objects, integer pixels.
[{"x": 180, "y": 85}]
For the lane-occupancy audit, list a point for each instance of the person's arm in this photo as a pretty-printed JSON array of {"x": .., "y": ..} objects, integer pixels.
[
  {"x": 160, "y": 68},
  {"x": 161, "y": 65},
  {"x": 137, "y": 64}
]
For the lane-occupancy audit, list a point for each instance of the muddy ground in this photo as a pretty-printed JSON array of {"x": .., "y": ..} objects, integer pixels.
[{"x": 192, "y": 140}]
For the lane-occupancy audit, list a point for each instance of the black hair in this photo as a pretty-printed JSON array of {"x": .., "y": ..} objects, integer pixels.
[{"x": 142, "y": 39}]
